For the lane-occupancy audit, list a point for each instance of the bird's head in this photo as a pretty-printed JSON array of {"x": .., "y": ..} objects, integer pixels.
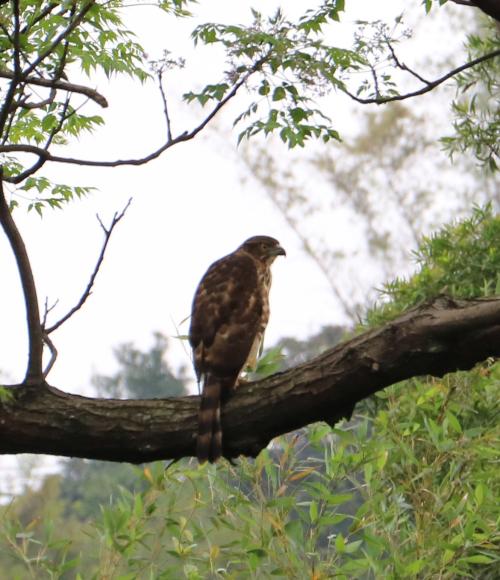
[{"x": 264, "y": 248}]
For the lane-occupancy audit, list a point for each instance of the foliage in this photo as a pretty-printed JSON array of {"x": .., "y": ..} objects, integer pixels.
[
  {"x": 49, "y": 43},
  {"x": 291, "y": 62},
  {"x": 429, "y": 3},
  {"x": 461, "y": 260},
  {"x": 476, "y": 108},
  {"x": 5, "y": 395},
  {"x": 286, "y": 65}
]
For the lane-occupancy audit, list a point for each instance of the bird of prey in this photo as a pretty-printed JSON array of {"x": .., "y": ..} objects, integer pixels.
[{"x": 229, "y": 316}]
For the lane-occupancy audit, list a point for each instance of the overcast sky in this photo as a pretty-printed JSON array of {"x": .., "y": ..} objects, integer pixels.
[{"x": 189, "y": 208}]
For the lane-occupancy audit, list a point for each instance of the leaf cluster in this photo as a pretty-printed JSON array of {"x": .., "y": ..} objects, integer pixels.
[
  {"x": 290, "y": 65},
  {"x": 43, "y": 46},
  {"x": 462, "y": 260},
  {"x": 476, "y": 109}
]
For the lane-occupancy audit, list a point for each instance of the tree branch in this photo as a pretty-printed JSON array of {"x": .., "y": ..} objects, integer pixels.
[
  {"x": 60, "y": 84},
  {"x": 53, "y": 354},
  {"x": 9, "y": 96},
  {"x": 429, "y": 85},
  {"x": 489, "y": 7},
  {"x": 88, "y": 290},
  {"x": 35, "y": 332},
  {"x": 165, "y": 106},
  {"x": 170, "y": 142},
  {"x": 441, "y": 336}
]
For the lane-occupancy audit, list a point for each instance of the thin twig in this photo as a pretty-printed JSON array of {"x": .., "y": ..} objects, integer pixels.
[
  {"x": 26, "y": 104},
  {"x": 165, "y": 106},
  {"x": 88, "y": 290},
  {"x": 20, "y": 177},
  {"x": 375, "y": 81},
  {"x": 405, "y": 67},
  {"x": 47, "y": 309},
  {"x": 35, "y": 331},
  {"x": 427, "y": 88}
]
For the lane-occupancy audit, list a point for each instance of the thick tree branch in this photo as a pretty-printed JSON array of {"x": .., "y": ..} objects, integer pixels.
[
  {"x": 35, "y": 333},
  {"x": 441, "y": 336},
  {"x": 490, "y": 7},
  {"x": 428, "y": 86},
  {"x": 9, "y": 96}
]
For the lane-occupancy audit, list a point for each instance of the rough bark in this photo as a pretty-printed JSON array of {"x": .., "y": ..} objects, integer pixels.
[{"x": 438, "y": 337}]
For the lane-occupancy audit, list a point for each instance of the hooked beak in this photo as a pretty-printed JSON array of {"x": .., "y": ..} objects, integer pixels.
[{"x": 278, "y": 251}]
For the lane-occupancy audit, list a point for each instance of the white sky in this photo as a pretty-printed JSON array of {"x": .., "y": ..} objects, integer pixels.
[{"x": 189, "y": 208}]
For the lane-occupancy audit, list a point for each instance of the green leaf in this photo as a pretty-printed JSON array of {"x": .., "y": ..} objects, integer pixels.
[
  {"x": 478, "y": 559},
  {"x": 295, "y": 532},
  {"x": 313, "y": 512},
  {"x": 480, "y": 493},
  {"x": 340, "y": 543},
  {"x": 279, "y": 93}
]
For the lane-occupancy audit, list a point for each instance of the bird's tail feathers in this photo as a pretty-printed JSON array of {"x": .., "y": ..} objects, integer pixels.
[{"x": 209, "y": 443}]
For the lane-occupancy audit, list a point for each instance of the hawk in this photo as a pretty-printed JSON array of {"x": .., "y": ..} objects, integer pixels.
[{"x": 229, "y": 316}]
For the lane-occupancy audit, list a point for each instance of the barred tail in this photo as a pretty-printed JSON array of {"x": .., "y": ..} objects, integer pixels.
[{"x": 209, "y": 443}]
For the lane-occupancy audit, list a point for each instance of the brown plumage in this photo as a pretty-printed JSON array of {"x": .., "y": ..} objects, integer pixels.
[{"x": 229, "y": 315}]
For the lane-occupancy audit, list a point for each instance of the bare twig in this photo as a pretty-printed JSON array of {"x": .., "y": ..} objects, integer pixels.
[
  {"x": 405, "y": 67},
  {"x": 47, "y": 309},
  {"x": 35, "y": 331},
  {"x": 88, "y": 290},
  {"x": 375, "y": 81},
  {"x": 26, "y": 104},
  {"x": 165, "y": 106},
  {"x": 429, "y": 85}
]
